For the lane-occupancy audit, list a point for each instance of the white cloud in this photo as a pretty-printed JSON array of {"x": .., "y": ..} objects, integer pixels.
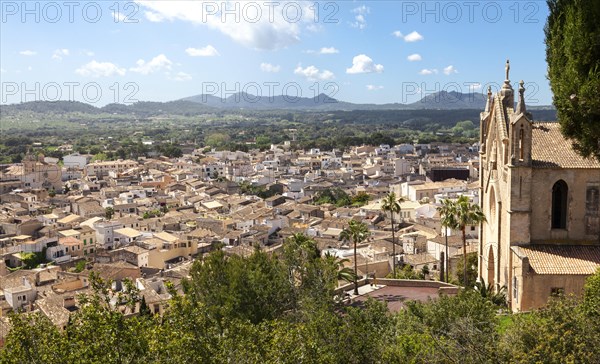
[
  {"x": 157, "y": 63},
  {"x": 413, "y": 37},
  {"x": 414, "y": 57},
  {"x": 374, "y": 87},
  {"x": 312, "y": 73},
  {"x": 324, "y": 50},
  {"x": 360, "y": 21},
  {"x": 397, "y": 34},
  {"x": 450, "y": 70},
  {"x": 29, "y": 68},
  {"x": 28, "y": 53},
  {"x": 426, "y": 71},
  {"x": 314, "y": 27},
  {"x": 100, "y": 69},
  {"x": 328, "y": 50},
  {"x": 154, "y": 17},
  {"x": 364, "y": 64},
  {"x": 248, "y": 26},
  {"x": 267, "y": 67},
  {"x": 60, "y": 53},
  {"x": 119, "y": 17},
  {"x": 181, "y": 77},
  {"x": 2, "y": 70},
  {"x": 208, "y": 51},
  {"x": 87, "y": 53}
]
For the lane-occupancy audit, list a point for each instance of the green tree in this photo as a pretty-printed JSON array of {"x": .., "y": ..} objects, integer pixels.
[
  {"x": 255, "y": 288},
  {"x": 357, "y": 232},
  {"x": 573, "y": 54},
  {"x": 216, "y": 140},
  {"x": 447, "y": 220},
  {"x": 109, "y": 212},
  {"x": 466, "y": 214},
  {"x": 467, "y": 276},
  {"x": 360, "y": 199},
  {"x": 343, "y": 273},
  {"x": 408, "y": 272},
  {"x": 100, "y": 157},
  {"x": 79, "y": 266},
  {"x": 33, "y": 339},
  {"x": 561, "y": 332},
  {"x": 463, "y": 327},
  {"x": 391, "y": 204},
  {"x": 314, "y": 278},
  {"x": 591, "y": 295}
]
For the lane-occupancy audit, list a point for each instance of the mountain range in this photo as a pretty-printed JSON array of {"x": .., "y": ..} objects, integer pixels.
[
  {"x": 201, "y": 104},
  {"x": 442, "y": 100}
]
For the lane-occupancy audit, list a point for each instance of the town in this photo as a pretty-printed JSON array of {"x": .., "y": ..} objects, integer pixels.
[
  {"x": 338, "y": 182},
  {"x": 147, "y": 219}
]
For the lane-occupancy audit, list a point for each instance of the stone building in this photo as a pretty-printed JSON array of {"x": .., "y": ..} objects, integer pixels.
[
  {"x": 542, "y": 203},
  {"x": 35, "y": 173}
]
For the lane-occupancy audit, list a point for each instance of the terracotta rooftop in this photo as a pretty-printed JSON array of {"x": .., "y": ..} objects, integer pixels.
[
  {"x": 562, "y": 259},
  {"x": 550, "y": 149}
]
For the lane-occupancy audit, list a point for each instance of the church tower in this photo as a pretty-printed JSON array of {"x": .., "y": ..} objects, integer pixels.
[
  {"x": 505, "y": 180},
  {"x": 540, "y": 198}
]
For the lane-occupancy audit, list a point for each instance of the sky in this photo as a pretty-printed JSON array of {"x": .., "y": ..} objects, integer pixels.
[{"x": 356, "y": 51}]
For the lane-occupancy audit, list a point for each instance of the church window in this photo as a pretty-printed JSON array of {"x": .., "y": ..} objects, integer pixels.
[
  {"x": 492, "y": 205},
  {"x": 592, "y": 209},
  {"x": 559, "y": 205},
  {"x": 521, "y": 143}
]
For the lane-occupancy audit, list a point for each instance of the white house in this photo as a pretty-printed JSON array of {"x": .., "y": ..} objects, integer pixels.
[
  {"x": 76, "y": 160},
  {"x": 20, "y": 296}
]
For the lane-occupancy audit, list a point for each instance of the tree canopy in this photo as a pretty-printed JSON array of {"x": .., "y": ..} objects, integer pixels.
[
  {"x": 573, "y": 55},
  {"x": 268, "y": 309}
]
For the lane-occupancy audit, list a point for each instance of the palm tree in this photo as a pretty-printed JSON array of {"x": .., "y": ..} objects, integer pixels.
[
  {"x": 342, "y": 273},
  {"x": 391, "y": 204},
  {"x": 487, "y": 291},
  {"x": 357, "y": 232},
  {"x": 446, "y": 212},
  {"x": 466, "y": 214}
]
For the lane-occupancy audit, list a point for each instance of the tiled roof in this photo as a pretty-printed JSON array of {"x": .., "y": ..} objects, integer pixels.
[
  {"x": 562, "y": 259},
  {"x": 550, "y": 149}
]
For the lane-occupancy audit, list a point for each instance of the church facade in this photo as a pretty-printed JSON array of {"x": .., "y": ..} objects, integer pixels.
[{"x": 542, "y": 204}]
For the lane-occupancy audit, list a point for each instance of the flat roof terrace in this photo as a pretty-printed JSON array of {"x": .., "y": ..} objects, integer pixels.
[{"x": 396, "y": 292}]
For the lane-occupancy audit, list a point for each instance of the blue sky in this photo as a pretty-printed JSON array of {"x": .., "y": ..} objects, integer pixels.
[{"x": 356, "y": 51}]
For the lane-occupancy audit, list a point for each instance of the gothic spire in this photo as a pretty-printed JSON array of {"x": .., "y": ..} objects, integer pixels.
[
  {"x": 488, "y": 104},
  {"x": 521, "y": 108}
]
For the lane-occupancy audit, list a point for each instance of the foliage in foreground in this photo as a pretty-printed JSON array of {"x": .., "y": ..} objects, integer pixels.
[{"x": 263, "y": 309}]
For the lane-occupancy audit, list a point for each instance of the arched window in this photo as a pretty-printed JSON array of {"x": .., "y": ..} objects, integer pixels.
[{"x": 559, "y": 205}]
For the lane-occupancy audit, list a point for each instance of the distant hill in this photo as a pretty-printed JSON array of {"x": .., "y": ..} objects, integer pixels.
[
  {"x": 243, "y": 100},
  {"x": 202, "y": 104},
  {"x": 442, "y": 100},
  {"x": 57, "y": 107},
  {"x": 140, "y": 109},
  {"x": 453, "y": 100}
]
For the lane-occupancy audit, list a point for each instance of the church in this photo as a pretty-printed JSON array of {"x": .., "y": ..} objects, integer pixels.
[{"x": 541, "y": 200}]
